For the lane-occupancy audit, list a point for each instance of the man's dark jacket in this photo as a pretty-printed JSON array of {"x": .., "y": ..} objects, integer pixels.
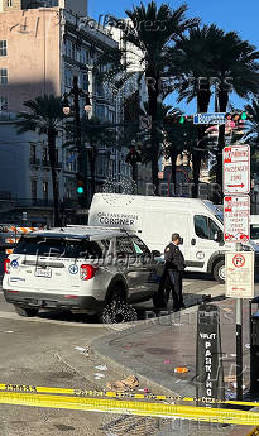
[{"x": 174, "y": 258}]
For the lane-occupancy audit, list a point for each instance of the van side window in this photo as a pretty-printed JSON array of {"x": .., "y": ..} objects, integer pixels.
[
  {"x": 214, "y": 229},
  {"x": 201, "y": 226}
]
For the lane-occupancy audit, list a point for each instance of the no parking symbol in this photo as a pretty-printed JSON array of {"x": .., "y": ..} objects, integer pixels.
[{"x": 238, "y": 260}]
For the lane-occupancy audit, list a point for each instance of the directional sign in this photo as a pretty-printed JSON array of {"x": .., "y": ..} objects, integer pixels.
[
  {"x": 240, "y": 274},
  {"x": 236, "y": 169},
  {"x": 210, "y": 118},
  {"x": 236, "y": 218}
]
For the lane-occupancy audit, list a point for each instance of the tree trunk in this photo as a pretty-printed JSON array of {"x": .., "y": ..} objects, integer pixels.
[
  {"x": 223, "y": 100},
  {"x": 153, "y": 93},
  {"x": 174, "y": 155},
  {"x": 52, "y": 133},
  {"x": 203, "y": 99}
]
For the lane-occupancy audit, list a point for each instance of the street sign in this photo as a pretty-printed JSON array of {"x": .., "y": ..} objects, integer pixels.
[
  {"x": 236, "y": 218},
  {"x": 240, "y": 274},
  {"x": 210, "y": 118},
  {"x": 236, "y": 169}
]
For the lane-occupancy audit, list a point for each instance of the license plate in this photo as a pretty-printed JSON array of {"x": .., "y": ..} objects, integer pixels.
[{"x": 40, "y": 272}]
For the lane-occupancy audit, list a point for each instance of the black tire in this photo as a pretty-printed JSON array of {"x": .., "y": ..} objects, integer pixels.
[
  {"x": 219, "y": 271},
  {"x": 26, "y": 311},
  {"x": 161, "y": 298}
]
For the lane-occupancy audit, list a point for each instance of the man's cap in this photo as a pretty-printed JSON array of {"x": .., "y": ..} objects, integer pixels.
[{"x": 175, "y": 236}]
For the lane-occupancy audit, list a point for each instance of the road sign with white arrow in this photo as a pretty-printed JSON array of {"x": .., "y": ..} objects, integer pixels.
[{"x": 237, "y": 169}]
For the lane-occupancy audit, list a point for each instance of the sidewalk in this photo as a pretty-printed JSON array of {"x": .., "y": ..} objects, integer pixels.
[{"x": 154, "y": 347}]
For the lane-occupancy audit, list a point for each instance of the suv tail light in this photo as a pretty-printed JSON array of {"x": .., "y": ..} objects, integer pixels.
[
  {"x": 7, "y": 266},
  {"x": 87, "y": 271}
]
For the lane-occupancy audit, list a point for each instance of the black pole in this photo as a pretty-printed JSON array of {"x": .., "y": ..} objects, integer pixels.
[
  {"x": 239, "y": 349},
  {"x": 78, "y": 141}
]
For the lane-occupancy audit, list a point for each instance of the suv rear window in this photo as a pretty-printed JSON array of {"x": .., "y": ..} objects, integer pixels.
[{"x": 58, "y": 247}]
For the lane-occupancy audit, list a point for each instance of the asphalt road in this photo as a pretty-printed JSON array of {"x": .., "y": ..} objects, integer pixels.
[{"x": 42, "y": 351}]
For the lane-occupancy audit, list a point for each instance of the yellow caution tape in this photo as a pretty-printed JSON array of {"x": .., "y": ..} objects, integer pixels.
[
  {"x": 102, "y": 394},
  {"x": 203, "y": 414}
]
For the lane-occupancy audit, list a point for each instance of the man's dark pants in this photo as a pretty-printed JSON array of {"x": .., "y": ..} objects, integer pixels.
[{"x": 175, "y": 279}]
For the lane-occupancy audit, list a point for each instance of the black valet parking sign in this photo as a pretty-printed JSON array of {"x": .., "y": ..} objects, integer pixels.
[{"x": 210, "y": 376}]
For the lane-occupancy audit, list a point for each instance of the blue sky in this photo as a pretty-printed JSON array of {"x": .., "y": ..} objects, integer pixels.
[{"x": 241, "y": 16}]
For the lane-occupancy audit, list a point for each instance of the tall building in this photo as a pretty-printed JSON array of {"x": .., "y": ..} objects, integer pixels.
[{"x": 41, "y": 50}]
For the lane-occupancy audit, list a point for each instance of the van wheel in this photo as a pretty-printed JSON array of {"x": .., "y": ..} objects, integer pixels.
[
  {"x": 26, "y": 311},
  {"x": 219, "y": 271},
  {"x": 161, "y": 298}
]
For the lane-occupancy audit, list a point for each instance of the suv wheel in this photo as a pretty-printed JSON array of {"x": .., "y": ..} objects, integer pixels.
[
  {"x": 26, "y": 311},
  {"x": 118, "y": 312},
  {"x": 219, "y": 271}
]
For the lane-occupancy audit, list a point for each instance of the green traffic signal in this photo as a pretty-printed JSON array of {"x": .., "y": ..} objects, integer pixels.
[
  {"x": 243, "y": 116},
  {"x": 181, "y": 120},
  {"x": 80, "y": 190}
]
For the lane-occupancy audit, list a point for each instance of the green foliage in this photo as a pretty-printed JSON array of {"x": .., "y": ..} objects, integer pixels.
[{"x": 44, "y": 113}]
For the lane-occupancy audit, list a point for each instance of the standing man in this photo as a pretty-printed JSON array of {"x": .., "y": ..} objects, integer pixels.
[{"x": 173, "y": 271}]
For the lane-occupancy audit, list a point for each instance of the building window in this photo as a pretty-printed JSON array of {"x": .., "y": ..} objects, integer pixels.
[
  {"x": 85, "y": 82},
  {"x": 69, "y": 48},
  {"x": 68, "y": 78},
  {"x": 34, "y": 189},
  {"x": 3, "y": 76},
  {"x": 83, "y": 56},
  {"x": 3, "y": 47},
  {"x": 32, "y": 153},
  {"x": 45, "y": 157},
  {"x": 74, "y": 52},
  {"x": 10, "y": 3},
  {"x": 3, "y": 103},
  {"x": 45, "y": 189}
]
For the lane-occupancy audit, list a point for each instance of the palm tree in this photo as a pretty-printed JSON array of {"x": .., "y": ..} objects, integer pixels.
[
  {"x": 191, "y": 60},
  {"x": 235, "y": 59},
  {"x": 179, "y": 138},
  {"x": 153, "y": 29},
  {"x": 211, "y": 53},
  {"x": 44, "y": 116}
]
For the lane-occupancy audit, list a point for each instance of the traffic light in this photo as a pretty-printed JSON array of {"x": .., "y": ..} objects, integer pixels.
[
  {"x": 133, "y": 157},
  {"x": 81, "y": 190},
  {"x": 177, "y": 119},
  {"x": 238, "y": 116}
]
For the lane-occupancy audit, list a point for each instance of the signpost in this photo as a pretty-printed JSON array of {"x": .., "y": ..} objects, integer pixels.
[
  {"x": 239, "y": 264},
  {"x": 216, "y": 118},
  {"x": 236, "y": 218}
]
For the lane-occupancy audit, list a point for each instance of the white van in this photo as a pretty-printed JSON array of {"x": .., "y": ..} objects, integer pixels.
[
  {"x": 254, "y": 229},
  {"x": 154, "y": 219}
]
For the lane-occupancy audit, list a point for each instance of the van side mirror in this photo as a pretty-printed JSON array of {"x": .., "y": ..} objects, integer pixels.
[{"x": 156, "y": 253}]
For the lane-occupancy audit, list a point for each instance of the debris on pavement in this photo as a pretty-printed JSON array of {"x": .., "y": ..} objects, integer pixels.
[
  {"x": 98, "y": 376},
  {"x": 129, "y": 383},
  {"x": 181, "y": 370},
  {"x": 167, "y": 362},
  {"x": 101, "y": 367},
  {"x": 247, "y": 346},
  {"x": 83, "y": 350}
]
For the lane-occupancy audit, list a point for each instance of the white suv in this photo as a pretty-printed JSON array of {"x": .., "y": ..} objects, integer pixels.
[{"x": 82, "y": 269}]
